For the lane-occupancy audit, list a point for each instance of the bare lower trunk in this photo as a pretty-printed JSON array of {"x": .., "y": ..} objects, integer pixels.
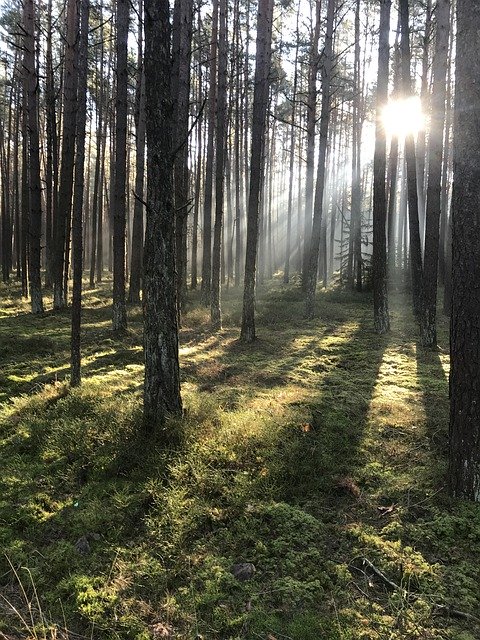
[{"x": 162, "y": 375}]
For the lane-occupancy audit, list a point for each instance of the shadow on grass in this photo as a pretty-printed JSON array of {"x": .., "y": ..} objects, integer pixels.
[
  {"x": 315, "y": 456},
  {"x": 435, "y": 392}
]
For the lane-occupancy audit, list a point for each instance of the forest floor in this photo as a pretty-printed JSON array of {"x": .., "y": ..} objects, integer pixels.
[{"x": 318, "y": 454}]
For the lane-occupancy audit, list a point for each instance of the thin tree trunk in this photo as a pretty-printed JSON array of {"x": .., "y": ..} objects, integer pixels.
[
  {"x": 311, "y": 274},
  {"x": 77, "y": 216},
  {"x": 313, "y": 65},
  {"x": 410, "y": 157},
  {"x": 221, "y": 131},
  {"x": 119, "y": 320},
  {"x": 65, "y": 190},
  {"x": 35, "y": 218},
  {"x": 260, "y": 102},
  {"x": 138, "y": 209},
  {"x": 379, "y": 258},
  {"x": 208, "y": 185},
  {"x": 434, "y": 188}
]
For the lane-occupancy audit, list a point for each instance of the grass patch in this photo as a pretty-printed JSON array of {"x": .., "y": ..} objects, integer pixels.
[{"x": 317, "y": 446}]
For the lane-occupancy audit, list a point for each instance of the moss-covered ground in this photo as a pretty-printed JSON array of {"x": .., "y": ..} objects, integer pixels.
[{"x": 317, "y": 450}]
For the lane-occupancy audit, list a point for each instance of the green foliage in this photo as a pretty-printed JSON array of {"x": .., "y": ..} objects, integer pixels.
[{"x": 317, "y": 446}]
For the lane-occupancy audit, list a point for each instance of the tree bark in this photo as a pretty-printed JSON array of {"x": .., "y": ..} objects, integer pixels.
[
  {"x": 77, "y": 216},
  {"x": 208, "y": 184},
  {"x": 119, "y": 320},
  {"x": 434, "y": 185},
  {"x": 464, "y": 469},
  {"x": 65, "y": 189},
  {"x": 181, "y": 56},
  {"x": 313, "y": 65},
  {"x": 221, "y": 132},
  {"x": 162, "y": 375},
  {"x": 410, "y": 157},
  {"x": 138, "y": 208},
  {"x": 379, "y": 258},
  {"x": 35, "y": 209},
  {"x": 260, "y": 102},
  {"x": 311, "y": 274}
]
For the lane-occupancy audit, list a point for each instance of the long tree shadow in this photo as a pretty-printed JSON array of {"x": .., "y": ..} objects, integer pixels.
[
  {"x": 320, "y": 455},
  {"x": 433, "y": 381}
]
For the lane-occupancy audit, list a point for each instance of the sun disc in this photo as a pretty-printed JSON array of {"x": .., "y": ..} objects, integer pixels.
[{"x": 403, "y": 116}]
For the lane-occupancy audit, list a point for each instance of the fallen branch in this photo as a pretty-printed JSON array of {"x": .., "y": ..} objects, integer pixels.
[
  {"x": 445, "y": 610},
  {"x": 441, "y": 609},
  {"x": 393, "y": 586}
]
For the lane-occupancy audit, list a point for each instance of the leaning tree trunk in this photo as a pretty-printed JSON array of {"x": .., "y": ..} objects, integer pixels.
[
  {"x": 312, "y": 271},
  {"x": 119, "y": 320},
  {"x": 260, "y": 102},
  {"x": 35, "y": 218},
  {"x": 434, "y": 187},
  {"x": 464, "y": 471},
  {"x": 162, "y": 375},
  {"x": 379, "y": 258}
]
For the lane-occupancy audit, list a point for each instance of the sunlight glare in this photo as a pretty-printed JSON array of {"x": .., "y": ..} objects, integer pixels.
[{"x": 403, "y": 116}]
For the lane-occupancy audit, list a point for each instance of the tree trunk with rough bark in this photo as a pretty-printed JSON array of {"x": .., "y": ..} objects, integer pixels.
[
  {"x": 410, "y": 157},
  {"x": 118, "y": 198},
  {"x": 313, "y": 66},
  {"x": 65, "y": 189},
  {"x": 162, "y": 374},
  {"x": 379, "y": 258},
  {"x": 77, "y": 215},
  {"x": 208, "y": 184},
  {"x": 35, "y": 209},
  {"x": 260, "y": 102},
  {"x": 464, "y": 470},
  {"x": 434, "y": 185},
  {"x": 317, "y": 226},
  {"x": 138, "y": 208},
  {"x": 220, "y": 166}
]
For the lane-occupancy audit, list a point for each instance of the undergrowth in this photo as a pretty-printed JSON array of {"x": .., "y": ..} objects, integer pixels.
[{"x": 317, "y": 448}]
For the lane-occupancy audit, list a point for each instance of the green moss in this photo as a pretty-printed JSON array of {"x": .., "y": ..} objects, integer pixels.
[{"x": 317, "y": 445}]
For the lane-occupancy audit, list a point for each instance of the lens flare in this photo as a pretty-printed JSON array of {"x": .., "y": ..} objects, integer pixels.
[{"x": 403, "y": 116}]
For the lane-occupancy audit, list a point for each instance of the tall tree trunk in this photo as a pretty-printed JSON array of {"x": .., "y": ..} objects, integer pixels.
[
  {"x": 311, "y": 274},
  {"x": 118, "y": 198},
  {"x": 356, "y": 229},
  {"x": 215, "y": 310},
  {"x": 65, "y": 190},
  {"x": 464, "y": 470},
  {"x": 137, "y": 230},
  {"x": 421, "y": 139},
  {"x": 313, "y": 65},
  {"x": 260, "y": 102},
  {"x": 208, "y": 184},
  {"x": 77, "y": 215},
  {"x": 162, "y": 375},
  {"x": 97, "y": 180},
  {"x": 288, "y": 244},
  {"x": 410, "y": 157},
  {"x": 379, "y": 258},
  {"x": 35, "y": 218},
  {"x": 434, "y": 188},
  {"x": 181, "y": 55}
]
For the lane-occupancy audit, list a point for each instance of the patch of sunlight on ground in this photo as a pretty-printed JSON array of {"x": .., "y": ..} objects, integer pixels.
[{"x": 397, "y": 399}]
